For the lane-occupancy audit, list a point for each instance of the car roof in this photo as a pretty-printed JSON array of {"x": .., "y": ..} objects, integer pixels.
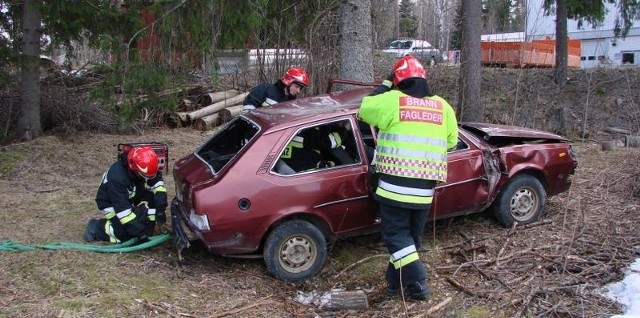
[{"x": 314, "y": 108}]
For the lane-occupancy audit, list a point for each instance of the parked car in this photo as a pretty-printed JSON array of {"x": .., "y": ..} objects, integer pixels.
[
  {"x": 420, "y": 49},
  {"x": 236, "y": 196}
]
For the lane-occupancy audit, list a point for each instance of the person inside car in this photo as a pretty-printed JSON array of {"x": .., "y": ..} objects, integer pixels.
[
  {"x": 286, "y": 88},
  {"x": 415, "y": 130},
  {"x": 132, "y": 197},
  {"x": 317, "y": 147}
]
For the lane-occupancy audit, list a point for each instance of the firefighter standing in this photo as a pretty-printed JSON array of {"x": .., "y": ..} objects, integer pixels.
[
  {"x": 132, "y": 196},
  {"x": 415, "y": 130},
  {"x": 285, "y": 89}
]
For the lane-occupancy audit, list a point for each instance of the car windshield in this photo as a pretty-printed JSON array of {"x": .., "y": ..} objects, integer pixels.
[
  {"x": 227, "y": 142},
  {"x": 400, "y": 45}
]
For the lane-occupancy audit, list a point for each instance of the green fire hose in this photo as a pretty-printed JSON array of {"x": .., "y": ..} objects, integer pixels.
[{"x": 131, "y": 245}]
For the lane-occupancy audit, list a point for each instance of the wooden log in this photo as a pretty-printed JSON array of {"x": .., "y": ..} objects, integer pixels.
[
  {"x": 608, "y": 145},
  {"x": 186, "y": 105},
  {"x": 632, "y": 141},
  {"x": 617, "y": 130},
  {"x": 206, "y": 122},
  {"x": 225, "y": 115},
  {"x": 349, "y": 300},
  {"x": 216, "y": 119},
  {"x": 179, "y": 91},
  {"x": 210, "y": 98},
  {"x": 216, "y": 107},
  {"x": 183, "y": 117}
]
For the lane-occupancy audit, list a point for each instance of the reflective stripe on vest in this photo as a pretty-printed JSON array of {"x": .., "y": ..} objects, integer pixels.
[
  {"x": 268, "y": 102},
  {"x": 411, "y": 168},
  {"x": 412, "y": 161},
  {"x": 413, "y": 139},
  {"x": 335, "y": 139},
  {"x": 403, "y": 197},
  {"x": 405, "y": 190},
  {"x": 158, "y": 187},
  {"x": 296, "y": 142}
]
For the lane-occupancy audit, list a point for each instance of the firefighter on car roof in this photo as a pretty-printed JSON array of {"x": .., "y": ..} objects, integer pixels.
[
  {"x": 132, "y": 197},
  {"x": 415, "y": 130},
  {"x": 286, "y": 88}
]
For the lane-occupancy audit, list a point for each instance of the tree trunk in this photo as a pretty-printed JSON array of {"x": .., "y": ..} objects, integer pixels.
[
  {"x": 469, "y": 102},
  {"x": 562, "y": 50},
  {"x": 356, "y": 54},
  {"x": 385, "y": 22},
  {"x": 29, "y": 126}
]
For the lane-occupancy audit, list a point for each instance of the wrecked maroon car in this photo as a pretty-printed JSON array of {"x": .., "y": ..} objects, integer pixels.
[{"x": 236, "y": 196}]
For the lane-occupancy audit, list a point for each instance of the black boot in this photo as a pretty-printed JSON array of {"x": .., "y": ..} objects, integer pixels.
[
  {"x": 91, "y": 232},
  {"x": 416, "y": 291}
]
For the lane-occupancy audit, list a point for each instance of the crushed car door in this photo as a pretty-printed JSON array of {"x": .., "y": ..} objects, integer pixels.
[{"x": 467, "y": 188}]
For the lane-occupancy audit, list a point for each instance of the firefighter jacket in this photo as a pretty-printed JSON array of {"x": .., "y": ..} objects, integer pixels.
[
  {"x": 120, "y": 190},
  {"x": 411, "y": 151},
  {"x": 266, "y": 94}
]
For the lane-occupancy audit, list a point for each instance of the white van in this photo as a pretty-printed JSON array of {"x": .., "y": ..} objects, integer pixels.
[{"x": 419, "y": 48}]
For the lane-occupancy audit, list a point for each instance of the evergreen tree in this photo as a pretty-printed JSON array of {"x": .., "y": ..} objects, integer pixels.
[
  {"x": 29, "y": 25},
  {"x": 408, "y": 21}
]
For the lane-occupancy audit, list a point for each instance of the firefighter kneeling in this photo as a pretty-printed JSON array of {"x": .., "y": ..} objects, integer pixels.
[{"x": 132, "y": 197}]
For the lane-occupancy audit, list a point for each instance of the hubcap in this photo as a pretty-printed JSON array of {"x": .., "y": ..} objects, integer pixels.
[
  {"x": 524, "y": 204},
  {"x": 297, "y": 254}
]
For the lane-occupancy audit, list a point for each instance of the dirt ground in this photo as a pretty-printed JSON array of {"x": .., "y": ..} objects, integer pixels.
[{"x": 555, "y": 268}]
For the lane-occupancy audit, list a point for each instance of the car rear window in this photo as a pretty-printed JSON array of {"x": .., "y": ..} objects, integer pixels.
[{"x": 227, "y": 142}]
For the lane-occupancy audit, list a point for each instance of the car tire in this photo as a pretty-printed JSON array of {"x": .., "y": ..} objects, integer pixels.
[
  {"x": 522, "y": 200},
  {"x": 295, "y": 251}
]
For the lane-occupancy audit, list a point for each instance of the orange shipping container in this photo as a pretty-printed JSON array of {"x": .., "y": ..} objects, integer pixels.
[{"x": 537, "y": 53}]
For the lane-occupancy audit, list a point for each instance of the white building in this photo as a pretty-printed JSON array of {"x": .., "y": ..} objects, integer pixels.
[{"x": 599, "y": 45}]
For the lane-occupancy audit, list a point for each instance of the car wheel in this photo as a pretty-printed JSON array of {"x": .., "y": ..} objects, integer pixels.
[
  {"x": 295, "y": 251},
  {"x": 521, "y": 200}
]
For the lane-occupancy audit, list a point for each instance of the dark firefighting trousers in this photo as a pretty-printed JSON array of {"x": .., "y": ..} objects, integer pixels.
[
  {"x": 402, "y": 231},
  {"x": 106, "y": 230}
]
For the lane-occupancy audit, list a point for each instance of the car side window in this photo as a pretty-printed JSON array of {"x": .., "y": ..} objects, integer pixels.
[
  {"x": 319, "y": 147},
  {"x": 459, "y": 146}
]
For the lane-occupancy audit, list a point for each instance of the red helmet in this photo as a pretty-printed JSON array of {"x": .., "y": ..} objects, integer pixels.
[
  {"x": 408, "y": 67},
  {"x": 295, "y": 75},
  {"x": 143, "y": 161}
]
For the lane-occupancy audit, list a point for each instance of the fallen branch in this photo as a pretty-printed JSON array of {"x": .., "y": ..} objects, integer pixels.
[{"x": 439, "y": 306}]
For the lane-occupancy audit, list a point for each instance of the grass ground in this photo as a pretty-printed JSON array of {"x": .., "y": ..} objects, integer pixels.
[{"x": 47, "y": 190}]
